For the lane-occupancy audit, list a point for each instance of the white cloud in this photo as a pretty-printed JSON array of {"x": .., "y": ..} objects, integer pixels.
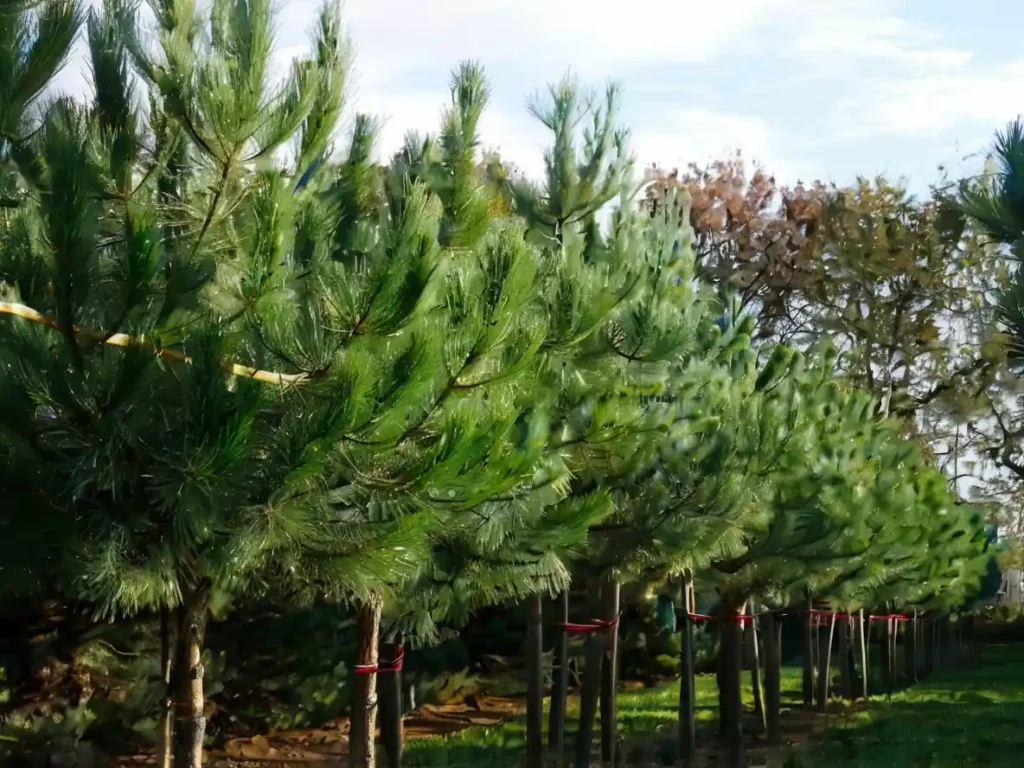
[
  {"x": 701, "y": 135},
  {"x": 848, "y": 37},
  {"x": 591, "y": 36},
  {"x": 928, "y": 104},
  {"x": 517, "y": 137},
  {"x": 839, "y": 70}
]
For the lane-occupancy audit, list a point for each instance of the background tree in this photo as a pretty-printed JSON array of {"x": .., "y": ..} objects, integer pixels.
[{"x": 901, "y": 284}]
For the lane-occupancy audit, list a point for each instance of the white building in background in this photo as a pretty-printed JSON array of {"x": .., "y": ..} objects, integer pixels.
[{"x": 1011, "y": 591}]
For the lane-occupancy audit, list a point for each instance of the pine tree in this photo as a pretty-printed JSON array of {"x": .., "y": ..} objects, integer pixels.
[
  {"x": 269, "y": 423},
  {"x": 808, "y": 447},
  {"x": 490, "y": 329},
  {"x": 633, "y": 356}
]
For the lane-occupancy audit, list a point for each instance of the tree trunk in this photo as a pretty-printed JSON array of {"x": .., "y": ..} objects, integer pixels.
[
  {"x": 390, "y": 683},
  {"x": 824, "y": 664},
  {"x": 610, "y": 672},
  {"x": 591, "y": 682},
  {"x": 808, "y": 674},
  {"x": 945, "y": 637},
  {"x": 687, "y": 698},
  {"x": 165, "y": 736},
  {"x": 189, "y": 718},
  {"x": 730, "y": 673},
  {"x": 884, "y": 648},
  {"x": 931, "y": 646},
  {"x": 362, "y": 730},
  {"x": 927, "y": 640},
  {"x": 947, "y": 641},
  {"x": 755, "y": 669},
  {"x": 845, "y": 661},
  {"x": 863, "y": 640},
  {"x": 559, "y": 685},
  {"x": 913, "y": 632},
  {"x": 771, "y": 631},
  {"x": 890, "y": 655},
  {"x": 919, "y": 633},
  {"x": 895, "y": 656},
  {"x": 535, "y": 683}
]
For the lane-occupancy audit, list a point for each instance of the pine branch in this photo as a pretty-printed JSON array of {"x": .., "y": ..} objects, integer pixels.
[{"x": 125, "y": 340}]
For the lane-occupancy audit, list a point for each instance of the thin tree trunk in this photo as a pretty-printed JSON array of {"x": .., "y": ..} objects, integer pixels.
[
  {"x": 687, "y": 699},
  {"x": 950, "y": 642},
  {"x": 919, "y": 634},
  {"x": 958, "y": 641},
  {"x": 928, "y": 645},
  {"x": 845, "y": 666},
  {"x": 390, "y": 683},
  {"x": 189, "y": 720},
  {"x": 894, "y": 653},
  {"x": 908, "y": 641},
  {"x": 808, "y": 674},
  {"x": 947, "y": 641},
  {"x": 884, "y": 648},
  {"x": 890, "y": 648},
  {"x": 591, "y": 682},
  {"x": 755, "y": 669},
  {"x": 610, "y": 672},
  {"x": 164, "y": 750},
  {"x": 772, "y": 633},
  {"x": 824, "y": 663},
  {"x": 862, "y": 652},
  {"x": 931, "y": 647},
  {"x": 944, "y": 641},
  {"x": 895, "y": 658},
  {"x": 535, "y": 683},
  {"x": 362, "y": 730},
  {"x": 730, "y": 674},
  {"x": 914, "y": 631},
  {"x": 560, "y": 685}
]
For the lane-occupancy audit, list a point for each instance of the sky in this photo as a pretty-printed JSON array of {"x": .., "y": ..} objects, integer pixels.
[{"x": 809, "y": 89}]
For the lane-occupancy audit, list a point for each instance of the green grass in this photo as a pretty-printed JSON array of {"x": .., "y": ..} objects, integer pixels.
[
  {"x": 957, "y": 719},
  {"x": 646, "y": 718}
]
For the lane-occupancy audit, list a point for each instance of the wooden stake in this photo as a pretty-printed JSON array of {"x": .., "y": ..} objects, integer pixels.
[
  {"x": 863, "y": 630},
  {"x": 609, "y": 671},
  {"x": 591, "y": 682},
  {"x": 808, "y": 672},
  {"x": 687, "y": 697},
  {"x": 535, "y": 683},
  {"x": 772, "y": 634},
  {"x": 390, "y": 685},
  {"x": 560, "y": 685}
]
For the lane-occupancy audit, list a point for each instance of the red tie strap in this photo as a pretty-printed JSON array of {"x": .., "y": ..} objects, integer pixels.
[
  {"x": 595, "y": 625},
  {"x": 395, "y": 665}
]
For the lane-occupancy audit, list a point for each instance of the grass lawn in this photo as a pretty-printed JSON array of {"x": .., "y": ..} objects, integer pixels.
[
  {"x": 646, "y": 723},
  {"x": 959, "y": 718},
  {"x": 970, "y": 718}
]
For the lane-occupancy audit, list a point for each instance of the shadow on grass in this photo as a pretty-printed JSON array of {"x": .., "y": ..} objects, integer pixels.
[
  {"x": 972, "y": 718},
  {"x": 959, "y": 719}
]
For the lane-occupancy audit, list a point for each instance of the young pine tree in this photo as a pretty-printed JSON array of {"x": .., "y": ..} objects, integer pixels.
[{"x": 219, "y": 355}]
